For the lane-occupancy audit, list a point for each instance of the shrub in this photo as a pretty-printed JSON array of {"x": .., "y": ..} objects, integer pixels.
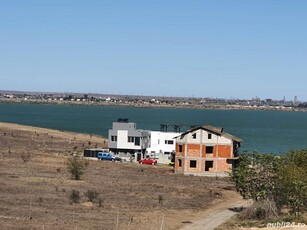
[
  {"x": 292, "y": 186},
  {"x": 76, "y": 166},
  {"x": 273, "y": 182},
  {"x": 91, "y": 195},
  {"x": 74, "y": 196},
  {"x": 256, "y": 178}
]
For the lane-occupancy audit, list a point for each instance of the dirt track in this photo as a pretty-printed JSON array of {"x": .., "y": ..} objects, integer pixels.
[{"x": 217, "y": 214}]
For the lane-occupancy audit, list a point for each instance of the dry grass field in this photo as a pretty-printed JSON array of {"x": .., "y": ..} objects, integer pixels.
[{"x": 35, "y": 187}]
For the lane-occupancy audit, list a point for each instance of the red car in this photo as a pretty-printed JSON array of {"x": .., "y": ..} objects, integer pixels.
[{"x": 148, "y": 161}]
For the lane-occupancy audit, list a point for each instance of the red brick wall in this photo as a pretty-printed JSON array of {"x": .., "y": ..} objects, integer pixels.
[
  {"x": 177, "y": 150},
  {"x": 224, "y": 151},
  {"x": 177, "y": 168},
  {"x": 220, "y": 165},
  {"x": 203, "y": 151},
  {"x": 197, "y": 169},
  {"x": 193, "y": 150}
]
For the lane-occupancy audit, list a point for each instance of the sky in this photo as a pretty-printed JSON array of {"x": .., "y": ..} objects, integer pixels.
[{"x": 198, "y": 48}]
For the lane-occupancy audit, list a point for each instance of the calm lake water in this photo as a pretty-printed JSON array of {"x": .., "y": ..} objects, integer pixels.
[{"x": 264, "y": 131}]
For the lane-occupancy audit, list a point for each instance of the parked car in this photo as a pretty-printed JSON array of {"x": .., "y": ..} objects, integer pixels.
[
  {"x": 108, "y": 157},
  {"x": 148, "y": 161}
]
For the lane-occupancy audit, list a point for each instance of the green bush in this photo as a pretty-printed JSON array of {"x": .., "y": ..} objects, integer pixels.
[
  {"x": 278, "y": 180},
  {"x": 76, "y": 166},
  {"x": 292, "y": 181}
]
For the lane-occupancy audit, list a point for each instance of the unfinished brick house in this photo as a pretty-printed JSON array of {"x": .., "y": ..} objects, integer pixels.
[{"x": 206, "y": 150}]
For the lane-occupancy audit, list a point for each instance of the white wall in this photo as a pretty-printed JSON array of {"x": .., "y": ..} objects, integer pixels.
[
  {"x": 157, "y": 142},
  {"x": 122, "y": 141},
  {"x": 202, "y": 137}
]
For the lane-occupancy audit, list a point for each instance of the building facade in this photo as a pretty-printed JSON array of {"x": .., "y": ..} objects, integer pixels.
[
  {"x": 206, "y": 150},
  {"x": 162, "y": 146},
  {"x": 132, "y": 144},
  {"x": 125, "y": 140}
]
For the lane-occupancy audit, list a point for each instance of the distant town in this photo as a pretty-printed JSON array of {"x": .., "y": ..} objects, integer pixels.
[{"x": 152, "y": 101}]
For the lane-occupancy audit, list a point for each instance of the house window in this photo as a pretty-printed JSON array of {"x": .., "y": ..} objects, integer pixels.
[
  {"x": 130, "y": 139},
  {"x": 209, "y": 136},
  {"x": 208, "y": 165},
  {"x": 137, "y": 141},
  {"x": 167, "y": 153},
  {"x": 180, "y": 148},
  {"x": 194, "y": 135},
  {"x": 179, "y": 163},
  {"x": 193, "y": 164},
  {"x": 113, "y": 138},
  {"x": 209, "y": 149},
  {"x": 169, "y": 142}
]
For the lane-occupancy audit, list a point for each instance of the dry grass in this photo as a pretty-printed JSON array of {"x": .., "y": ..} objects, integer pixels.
[{"x": 34, "y": 194}]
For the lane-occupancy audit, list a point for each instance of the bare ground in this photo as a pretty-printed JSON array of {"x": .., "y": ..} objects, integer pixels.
[{"x": 35, "y": 186}]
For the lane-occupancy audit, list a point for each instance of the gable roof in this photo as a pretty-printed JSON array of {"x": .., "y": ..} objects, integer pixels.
[{"x": 215, "y": 130}]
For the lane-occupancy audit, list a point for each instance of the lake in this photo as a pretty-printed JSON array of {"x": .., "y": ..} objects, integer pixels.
[{"x": 263, "y": 131}]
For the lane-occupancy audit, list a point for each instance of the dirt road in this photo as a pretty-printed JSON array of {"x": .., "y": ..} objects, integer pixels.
[{"x": 217, "y": 214}]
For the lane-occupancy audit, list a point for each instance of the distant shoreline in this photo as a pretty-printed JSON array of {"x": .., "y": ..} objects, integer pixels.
[
  {"x": 141, "y": 105},
  {"x": 56, "y": 132}
]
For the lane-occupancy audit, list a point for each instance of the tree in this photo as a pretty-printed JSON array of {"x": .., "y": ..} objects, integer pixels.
[
  {"x": 292, "y": 180},
  {"x": 255, "y": 178},
  {"x": 273, "y": 182},
  {"x": 255, "y": 175},
  {"x": 76, "y": 166}
]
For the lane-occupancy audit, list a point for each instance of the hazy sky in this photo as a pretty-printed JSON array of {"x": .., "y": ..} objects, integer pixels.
[{"x": 206, "y": 48}]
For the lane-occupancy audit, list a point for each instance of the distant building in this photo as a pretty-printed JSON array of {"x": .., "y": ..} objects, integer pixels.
[
  {"x": 133, "y": 144},
  {"x": 206, "y": 150},
  {"x": 162, "y": 146},
  {"x": 127, "y": 141}
]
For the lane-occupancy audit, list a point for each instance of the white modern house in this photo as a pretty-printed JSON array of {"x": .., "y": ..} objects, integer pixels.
[
  {"x": 133, "y": 144},
  {"x": 162, "y": 146},
  {"x": 126, "y": 141}
]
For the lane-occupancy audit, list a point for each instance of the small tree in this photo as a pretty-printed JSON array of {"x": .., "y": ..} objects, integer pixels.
[
  {"x": 76, "y": 166},
  {"x": 255, "y": 178},
  {"x": 273, "y": 182},
  {"x": 292, "y": 184},
  {"x": 256, "y": 175}
]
